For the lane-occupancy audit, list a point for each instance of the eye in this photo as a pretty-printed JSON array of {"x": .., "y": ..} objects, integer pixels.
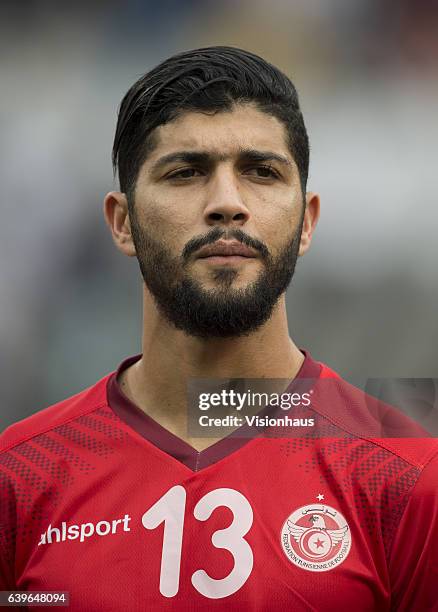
[
  {"x": 184, "y": 173},
  {"x": 264, "y": 172}
]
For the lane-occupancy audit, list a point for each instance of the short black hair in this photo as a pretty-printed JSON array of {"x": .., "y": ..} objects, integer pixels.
[{"x": 207, "y": 79}]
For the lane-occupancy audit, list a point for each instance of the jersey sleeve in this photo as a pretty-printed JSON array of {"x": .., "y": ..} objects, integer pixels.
[
  {"x": 6, "y": 573},
  {"x": 413, "y": 562},
  {"x": 7, "y": 532}
]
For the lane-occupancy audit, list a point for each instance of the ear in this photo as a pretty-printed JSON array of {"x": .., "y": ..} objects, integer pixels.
[
  {"x": 311, "y": 216},
  {"x": 115, "y": 210}
]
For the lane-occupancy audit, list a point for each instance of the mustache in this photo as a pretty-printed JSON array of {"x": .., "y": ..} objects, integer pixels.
[{"x": 217, "y": 233}]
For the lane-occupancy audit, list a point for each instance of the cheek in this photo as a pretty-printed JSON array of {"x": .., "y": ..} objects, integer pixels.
[
  {"x": 166, "y": 222},
  {"x": 277, "y": 228}
]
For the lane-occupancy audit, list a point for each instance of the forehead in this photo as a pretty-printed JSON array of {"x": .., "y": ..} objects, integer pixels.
[{"x": 224, "y": 132}]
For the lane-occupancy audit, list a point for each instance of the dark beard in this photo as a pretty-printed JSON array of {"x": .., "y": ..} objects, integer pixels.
[{"x": 219, "y": 313}]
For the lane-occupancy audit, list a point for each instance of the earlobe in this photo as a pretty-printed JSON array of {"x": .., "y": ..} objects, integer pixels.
[
  {"x": 115, "y": 210},
  {"x": 311, "y": 216}
]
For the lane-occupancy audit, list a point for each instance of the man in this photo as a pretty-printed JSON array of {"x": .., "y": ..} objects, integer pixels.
[{"x": 110, "y": 496}]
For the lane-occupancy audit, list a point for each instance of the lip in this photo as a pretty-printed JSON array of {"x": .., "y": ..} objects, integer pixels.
[
  {"x": 223, "y": 260},
  {"x": 224, "y": 249}
]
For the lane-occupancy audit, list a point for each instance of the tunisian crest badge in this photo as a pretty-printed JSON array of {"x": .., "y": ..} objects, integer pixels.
[{"x": 316, "y": 537}]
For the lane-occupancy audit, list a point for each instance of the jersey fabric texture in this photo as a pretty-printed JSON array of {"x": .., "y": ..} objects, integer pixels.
[{"x": 99, "y": 500}]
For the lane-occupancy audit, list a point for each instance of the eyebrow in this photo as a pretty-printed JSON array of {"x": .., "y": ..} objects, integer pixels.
[{"x": 204, "y": 158}]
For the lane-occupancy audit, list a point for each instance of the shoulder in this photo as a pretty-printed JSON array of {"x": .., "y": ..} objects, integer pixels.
[
  {"x": 353, "y": 412},
  {"x": 81, "y": 403}
]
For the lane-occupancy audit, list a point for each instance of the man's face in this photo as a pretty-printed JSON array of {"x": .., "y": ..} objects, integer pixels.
[{"x": 217, "y": 220}]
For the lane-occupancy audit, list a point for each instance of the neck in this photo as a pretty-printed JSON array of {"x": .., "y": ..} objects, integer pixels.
[{"x": 157, "y": 383}]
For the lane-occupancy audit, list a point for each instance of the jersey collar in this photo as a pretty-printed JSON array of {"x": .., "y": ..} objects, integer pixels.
[{"x": 167, "y": 442}]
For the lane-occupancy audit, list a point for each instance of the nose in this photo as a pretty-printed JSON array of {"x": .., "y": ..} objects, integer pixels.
[{"x": 224, "y": 203}]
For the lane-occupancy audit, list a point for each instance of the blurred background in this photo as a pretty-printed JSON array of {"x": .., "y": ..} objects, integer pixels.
[{"x": 363, "y": 300}]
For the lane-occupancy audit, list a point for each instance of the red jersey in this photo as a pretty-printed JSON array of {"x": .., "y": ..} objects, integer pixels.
[{"x": 99, "y": 500}]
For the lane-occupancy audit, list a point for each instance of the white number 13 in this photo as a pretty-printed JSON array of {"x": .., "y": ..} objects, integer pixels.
[{"x": 170, "y": 509}]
